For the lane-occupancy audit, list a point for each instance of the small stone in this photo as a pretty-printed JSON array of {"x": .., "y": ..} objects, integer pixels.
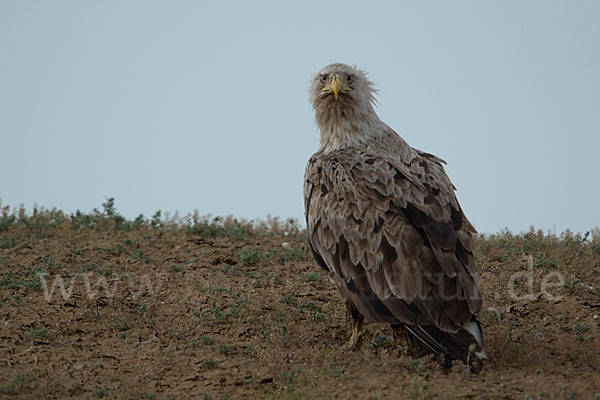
[
  {"x": 539, "y": 335},
  {"x": 285, "y": 245},
  {"x": 79, "y": 366}
]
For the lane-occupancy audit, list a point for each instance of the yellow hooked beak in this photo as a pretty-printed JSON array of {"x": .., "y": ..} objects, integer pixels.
[{"x": 336, "y": 85}]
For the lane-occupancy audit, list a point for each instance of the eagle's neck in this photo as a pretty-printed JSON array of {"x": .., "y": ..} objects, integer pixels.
[{"x": 343, "y": 126}]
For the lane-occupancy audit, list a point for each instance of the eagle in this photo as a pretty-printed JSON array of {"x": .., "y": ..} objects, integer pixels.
[{"x": 384, "y": 221}]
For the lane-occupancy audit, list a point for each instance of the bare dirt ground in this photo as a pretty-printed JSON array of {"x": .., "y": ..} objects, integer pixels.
[{"x": 93, "y": 306}]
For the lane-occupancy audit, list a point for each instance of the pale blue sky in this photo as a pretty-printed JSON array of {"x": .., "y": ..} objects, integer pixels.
[{"x": 183, "y": 105}]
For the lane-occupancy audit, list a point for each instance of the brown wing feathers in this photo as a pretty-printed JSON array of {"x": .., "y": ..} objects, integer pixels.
[{"x": 396, "y": 241}]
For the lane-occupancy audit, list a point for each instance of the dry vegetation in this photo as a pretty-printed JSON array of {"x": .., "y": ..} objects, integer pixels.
[{"x": 97, "y": 306}]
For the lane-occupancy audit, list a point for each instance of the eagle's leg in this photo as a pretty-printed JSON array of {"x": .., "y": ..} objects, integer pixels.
[
  {"x": 401, "y": 336},
  {"x": 356, "y": 322}
]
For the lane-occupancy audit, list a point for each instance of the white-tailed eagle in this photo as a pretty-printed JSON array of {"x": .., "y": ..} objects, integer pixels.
[{"x": 383, "y": 219}]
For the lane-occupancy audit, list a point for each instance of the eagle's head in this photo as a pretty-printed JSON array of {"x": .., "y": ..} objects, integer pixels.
[
  {"x": 341, "y": 83},
  {"x": 343, "y": 97}
]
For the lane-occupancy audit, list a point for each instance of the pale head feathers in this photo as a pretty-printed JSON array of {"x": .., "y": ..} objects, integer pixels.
[{"x": 350, "y": 120}]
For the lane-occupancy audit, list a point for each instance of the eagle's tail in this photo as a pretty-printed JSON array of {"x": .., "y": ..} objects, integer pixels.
[{"x": 465, "y": 345}]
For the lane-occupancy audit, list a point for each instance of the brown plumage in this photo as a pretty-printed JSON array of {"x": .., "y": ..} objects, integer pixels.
[{"x": 383, "y": 219}]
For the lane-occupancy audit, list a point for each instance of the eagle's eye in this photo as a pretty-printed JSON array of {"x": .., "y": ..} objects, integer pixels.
[
  {"x": 350, "y": 78},
  {"x": 323, "y": 78}
]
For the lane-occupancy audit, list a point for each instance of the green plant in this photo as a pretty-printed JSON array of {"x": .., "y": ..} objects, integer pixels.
[
  {"x": 156, "y": 222},
  {"x": 139, "y": 253},
  {"x": 277, "y": 280},
  {"x": 289, "y": 299},
  {"x": 291, "y": 378},
  {"x": 310, "y": 276},
  {"x": 101, "y": 392},
  {"x": 250, "y": 257},
  {"x": 299, "y": 254},
  {"x": 8, "y": 243},
  {"x": 224, "y": 349},
  {"x": 176, "y": 267},
  {"x": 209, "y": 363},
  {"x": 207, "y": 339},
  {"x": 315, "y": 310},
  {"x": 36, "y": 331},
  {"x": 120, "y": 324},
  {"x": 417, "y": 388},
  {"x": 228, "y": 269},
  {"x": 18, "y": 382},
  {"x": 13, "y": 282}
]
